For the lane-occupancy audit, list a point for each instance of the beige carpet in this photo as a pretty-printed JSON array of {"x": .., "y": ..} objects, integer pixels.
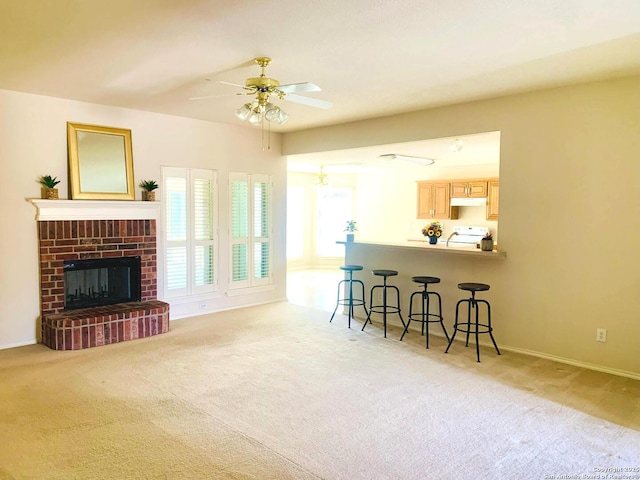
[{"x": 276, "y": 392}]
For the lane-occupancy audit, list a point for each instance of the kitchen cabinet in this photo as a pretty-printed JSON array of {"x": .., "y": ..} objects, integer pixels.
[
  {"x": 434, "y": 201},
  {"x": 493, "y": 199},
  {"x": 469, "y": 189}
]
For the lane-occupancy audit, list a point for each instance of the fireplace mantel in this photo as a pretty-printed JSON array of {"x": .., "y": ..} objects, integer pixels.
[{"x": 95, "y": 210}]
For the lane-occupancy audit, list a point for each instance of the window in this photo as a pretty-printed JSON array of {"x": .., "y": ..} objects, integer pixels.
[
  {"x": 334, "y": 210},
  {"x": 190, "y": 233},
  {"x": 296, "y": 208},
  {"x": 250, "y": 230}
]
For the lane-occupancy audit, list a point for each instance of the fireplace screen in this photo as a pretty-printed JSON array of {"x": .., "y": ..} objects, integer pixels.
[{"x": 101, "y": 281}]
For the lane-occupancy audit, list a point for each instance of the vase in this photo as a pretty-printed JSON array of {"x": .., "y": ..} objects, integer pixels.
[
  {"x": 433, "y": 240},
  {"x": 49, "y": 193},
  {"x": 486, "y": 245},
  {"x": 350, "y": 237},
  {"x": 148, "y": 196}
]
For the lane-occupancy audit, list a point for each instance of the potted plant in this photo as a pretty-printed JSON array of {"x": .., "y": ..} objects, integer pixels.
[
  {"x": 49, "y": 189},
  {"x": 148, "y": 187},
  {"x": 433, "y": 231},
  {"x": 486, "y": 244},
  {"x": 350, "y": 228}
]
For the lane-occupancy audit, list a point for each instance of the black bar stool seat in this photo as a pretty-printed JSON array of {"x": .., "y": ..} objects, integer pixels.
[
  {"x": 350, "y": 301},
  {"x": 385, "y": 308},
  {"x": 476, "y": 327},
  {"x": 425, "y": 316}
]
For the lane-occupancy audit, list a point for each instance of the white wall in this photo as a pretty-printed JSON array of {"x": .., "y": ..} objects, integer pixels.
[
  {"x": 569, "y": 211},
  {"x": 33, "y": 142}
]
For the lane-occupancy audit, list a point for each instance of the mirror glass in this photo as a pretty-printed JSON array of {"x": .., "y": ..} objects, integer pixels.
[{"x": 100, "y": 162}]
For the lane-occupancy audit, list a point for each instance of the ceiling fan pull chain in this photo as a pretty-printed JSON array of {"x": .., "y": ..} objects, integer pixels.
[{"x": 269, "y": 135}]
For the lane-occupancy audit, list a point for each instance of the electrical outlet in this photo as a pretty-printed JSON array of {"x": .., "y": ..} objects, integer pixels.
[
  {"x": 380, "y": 296},
  {"x": 203, "y": 305},
  {"x": 601, "y": 335}
]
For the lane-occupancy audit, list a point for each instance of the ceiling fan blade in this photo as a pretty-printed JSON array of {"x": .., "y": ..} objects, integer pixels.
[
  {"x": 311, "y": 102},
  {"x": 299, "y": 87},
  {"x": 217, "y": 96},
  {"x": 232, "y": 84}
]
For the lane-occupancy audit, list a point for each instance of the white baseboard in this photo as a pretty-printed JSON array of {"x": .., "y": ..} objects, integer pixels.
[
  {"x": 533, "y": 353},
  {"x": 569, "y": 361},
  {"x": 224, "y": 309},
  {"x": 18, "y": 344}
]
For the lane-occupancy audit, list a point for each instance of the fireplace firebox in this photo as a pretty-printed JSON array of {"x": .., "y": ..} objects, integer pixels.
[{"x": 101, "y": 281}]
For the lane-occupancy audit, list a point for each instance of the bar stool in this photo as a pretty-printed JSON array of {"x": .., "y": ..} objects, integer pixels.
[
  {"x": 384, "y": 308},
  {"x": 424, "y": 315},
  {"x": 469, "y": 327},
  {"x": 350, "y": 301}
]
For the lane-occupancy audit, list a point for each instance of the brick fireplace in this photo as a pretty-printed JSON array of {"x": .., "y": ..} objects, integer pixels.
[{"x": 67, "y": 231}]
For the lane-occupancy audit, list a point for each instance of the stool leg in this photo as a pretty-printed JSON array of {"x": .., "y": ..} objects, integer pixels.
[
  {"x": 477, "y": 329},
  {"x": 425, "y": 315},
  {"x": 440, "y": 313},
  {"x": 350, "y": 297},
  {"x": 471, "y": 306},
  {"x": 409, "y": 318},
  {"x": 489, "y": 325},
  {"x": 338, "y": 302},
  {"x": 384, "y": 306},
  {"x": 393, "y": 287},
  {"x": 364, "y": 304},
  {"x": 422, "y": 329},
  {"x": 455, "y": 326},
  {"x": 368, "y": 320}
]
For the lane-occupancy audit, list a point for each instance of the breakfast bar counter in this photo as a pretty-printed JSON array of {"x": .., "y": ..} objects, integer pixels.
[{"x": 438, "y": 249}]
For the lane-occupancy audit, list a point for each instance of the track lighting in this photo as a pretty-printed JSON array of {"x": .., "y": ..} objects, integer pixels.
[{"x": 408, "y": 158}]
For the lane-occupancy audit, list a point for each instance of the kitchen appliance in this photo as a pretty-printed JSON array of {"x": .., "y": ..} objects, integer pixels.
[
  {"x": 464, "y": 235},
  {"x": 468, "y": 202}
]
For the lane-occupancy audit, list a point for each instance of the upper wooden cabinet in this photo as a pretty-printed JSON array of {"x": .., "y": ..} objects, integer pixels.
[
  {"x": 469, "y": 188},
  {"x": 493, "y": 199},
  {"x": 434, "y": 201}
]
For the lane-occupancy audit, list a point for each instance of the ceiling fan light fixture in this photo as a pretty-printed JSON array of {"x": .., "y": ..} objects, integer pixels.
[
  {"x": 244, "y": 111},
  {"x": 322, "y": 179},
  {"x": 282, "y": 117},
  {"x": 271, "y": 112},
  {"x": 254, "y": 117}
]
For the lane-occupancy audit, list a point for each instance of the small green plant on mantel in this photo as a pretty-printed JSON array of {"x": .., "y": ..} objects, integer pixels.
[
  {"x": 49, "y": 189},
  {"x": 48, "y": 181},
  {"x": 148, "y": 187}
]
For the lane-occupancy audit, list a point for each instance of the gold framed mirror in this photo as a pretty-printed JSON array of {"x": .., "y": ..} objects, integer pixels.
[{"x": 100, "y": 162}]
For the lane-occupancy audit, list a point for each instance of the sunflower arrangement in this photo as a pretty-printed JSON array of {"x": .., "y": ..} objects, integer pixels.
[{"x": 434, "y": 229}]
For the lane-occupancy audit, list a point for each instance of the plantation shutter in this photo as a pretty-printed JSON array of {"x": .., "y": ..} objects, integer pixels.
[
  {"x": 203, "y": 238},
  {"x": 250, "y": 230},
  {"x": 239, "y": 187},
  {"x": 261, "y": 230},
  {"x": 175, "y": 200},
  {"x": 191, "y": 234}
]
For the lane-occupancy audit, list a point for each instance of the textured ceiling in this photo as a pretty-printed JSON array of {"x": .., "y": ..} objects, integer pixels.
[{"x": 371, "y": 58}]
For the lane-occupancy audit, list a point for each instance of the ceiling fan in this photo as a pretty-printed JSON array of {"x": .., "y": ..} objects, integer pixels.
[{"x": 264, "y": 87}]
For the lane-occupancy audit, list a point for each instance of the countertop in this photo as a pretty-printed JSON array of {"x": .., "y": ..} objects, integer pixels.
[{"x": 438, "y": 249}]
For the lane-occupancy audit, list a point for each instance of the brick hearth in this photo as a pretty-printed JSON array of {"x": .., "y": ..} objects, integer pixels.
[
  {"x": 96, "y": 326},
  {"x": 62, "y": 240}
]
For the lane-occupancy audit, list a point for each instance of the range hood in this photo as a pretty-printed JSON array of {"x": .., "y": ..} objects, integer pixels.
[{"x": 468, "y": 202}]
